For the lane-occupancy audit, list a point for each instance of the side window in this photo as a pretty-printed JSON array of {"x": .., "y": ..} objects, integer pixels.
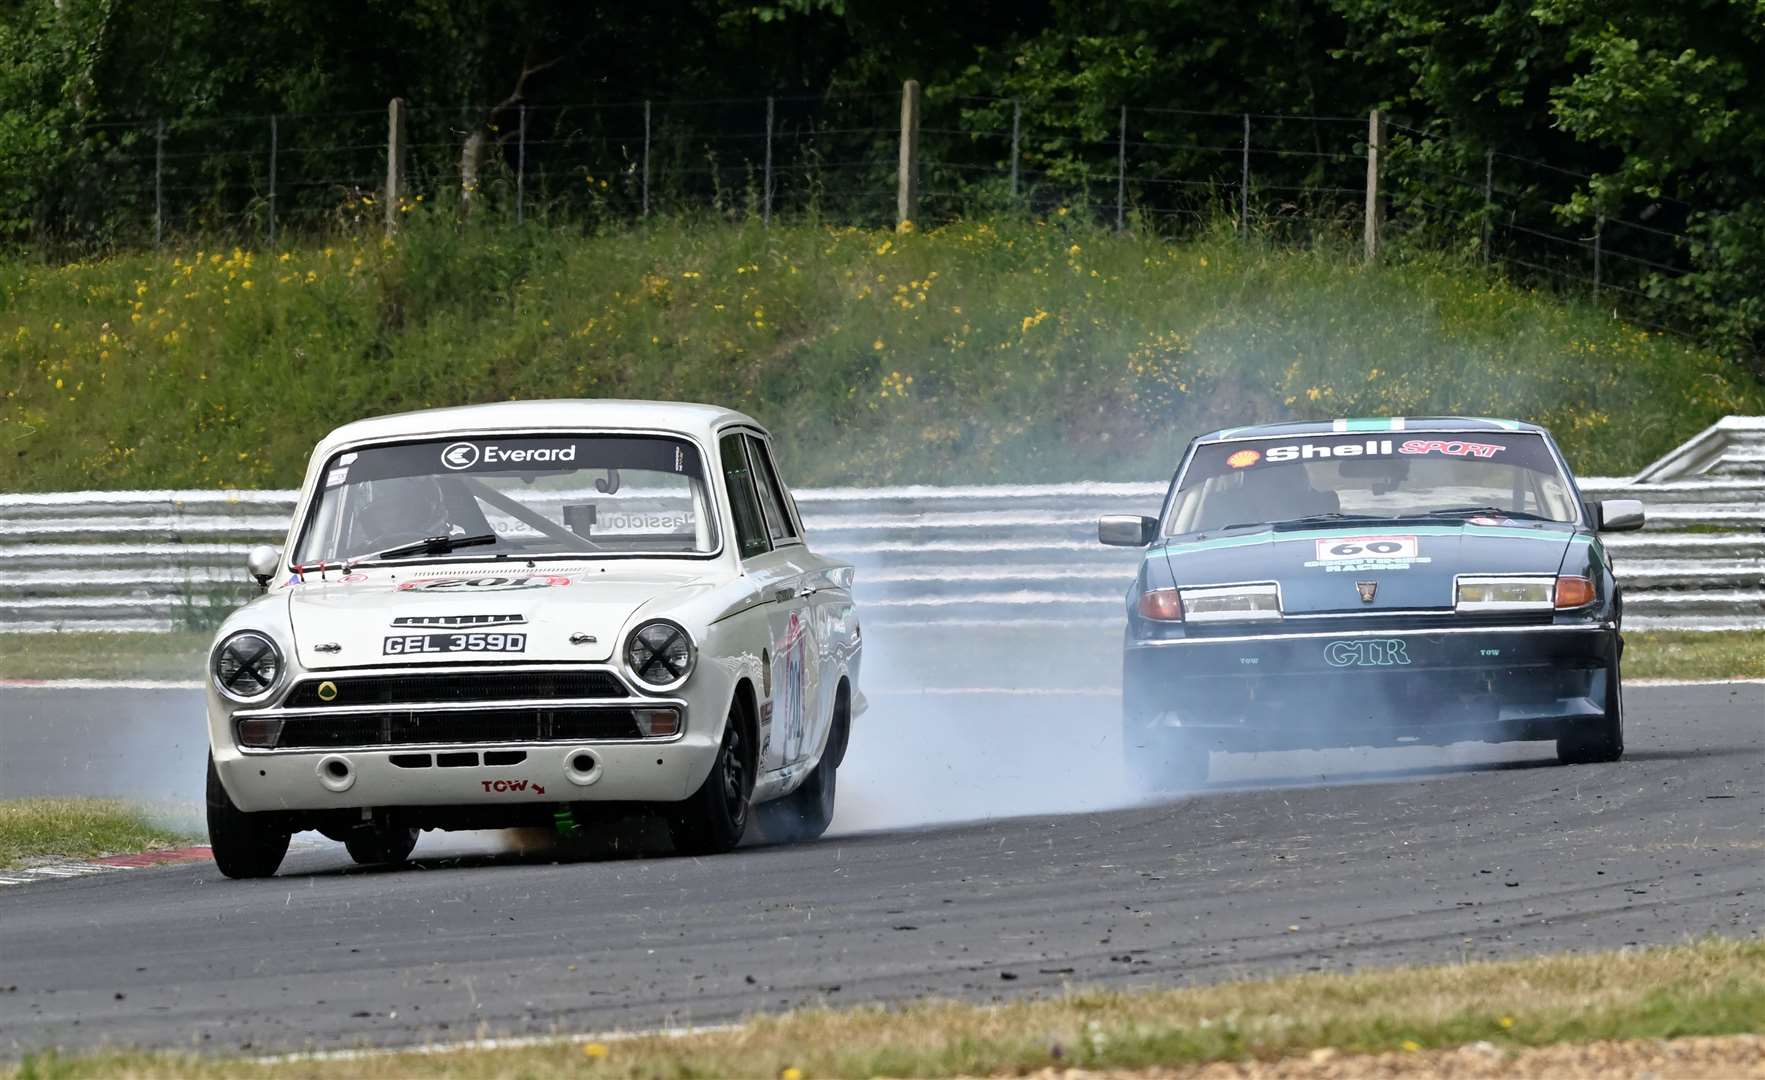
[
  {"x": 744, "y": 508},
  {"x": 778, "y": 519}
]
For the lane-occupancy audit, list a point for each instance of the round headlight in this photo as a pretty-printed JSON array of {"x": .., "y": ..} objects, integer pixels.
[
  {"x": 660, "y": 654},
  {"x": 246, "y": 666}
]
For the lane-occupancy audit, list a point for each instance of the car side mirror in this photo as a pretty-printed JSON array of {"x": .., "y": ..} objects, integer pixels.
[
  {"x": 1126, "y": 530},
  {"x": 1620, "y": 515},
  {"x": 261, "y": 563}
]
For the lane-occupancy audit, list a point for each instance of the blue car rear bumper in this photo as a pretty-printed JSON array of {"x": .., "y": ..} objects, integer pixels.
[{"x": 1282, "y": 690}]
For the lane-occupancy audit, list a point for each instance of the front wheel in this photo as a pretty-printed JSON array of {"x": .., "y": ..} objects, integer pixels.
[
  {"x": 244, "y": 845},
  {"x": 712, "y": 819},
  {"x": 1599, "y": 740}
]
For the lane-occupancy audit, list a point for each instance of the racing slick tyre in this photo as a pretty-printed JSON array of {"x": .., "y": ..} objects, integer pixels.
[
  {"x": 712, "y": 819},
  {"x": 244, "y": 845},
  {"x": 806, "y": 813},
  {"x": 1602, "y": 739},
  {"x": 372, "y": 845}
]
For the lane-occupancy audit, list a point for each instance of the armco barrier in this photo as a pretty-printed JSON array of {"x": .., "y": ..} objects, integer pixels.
[{"x": 159, "y": 560}]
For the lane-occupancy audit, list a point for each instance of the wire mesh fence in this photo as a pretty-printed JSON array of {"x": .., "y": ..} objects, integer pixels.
[{"x": 1295, "y": 179}]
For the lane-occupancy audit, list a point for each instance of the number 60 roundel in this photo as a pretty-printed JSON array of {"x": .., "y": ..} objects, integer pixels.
[{"x": 1340, "y": 548}]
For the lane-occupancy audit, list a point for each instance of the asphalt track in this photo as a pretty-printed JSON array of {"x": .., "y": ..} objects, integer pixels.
[{"x": 1289, "y": 862}]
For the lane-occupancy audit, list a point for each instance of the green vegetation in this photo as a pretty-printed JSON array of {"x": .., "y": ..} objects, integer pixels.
[
  {"x": 1686, "y": 654},
  {"x": 1708, "y": 988},
  {"x": 176, "y": 656},
  {"x": 994, "y": 350},
  {"x": 1648, "y": 114},
  {"x": 77, "y": 828}
]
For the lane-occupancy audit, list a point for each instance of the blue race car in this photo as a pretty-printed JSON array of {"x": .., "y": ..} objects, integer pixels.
[{"x": 1370, "y": 582}]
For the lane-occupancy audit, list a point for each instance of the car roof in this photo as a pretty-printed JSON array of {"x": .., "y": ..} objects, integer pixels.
[
  {"x": 588, "y": 414},
  {"x": 1372, "y": 425}
]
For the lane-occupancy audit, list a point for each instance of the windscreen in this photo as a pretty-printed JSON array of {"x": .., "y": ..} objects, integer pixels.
[
  {"x": 1258, "y": 481},
  {"x": 538, "y": 496}
]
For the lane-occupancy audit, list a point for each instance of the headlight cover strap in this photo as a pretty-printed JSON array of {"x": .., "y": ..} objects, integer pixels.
[
  {"x": 660, "y": 654},
  {"x": 247, "y": 666}
]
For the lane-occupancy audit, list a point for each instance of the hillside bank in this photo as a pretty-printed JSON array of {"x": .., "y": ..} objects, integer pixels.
[{"x": 1004, "y": 350}]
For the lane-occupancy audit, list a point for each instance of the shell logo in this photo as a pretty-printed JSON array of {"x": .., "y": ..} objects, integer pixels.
[{"x": 1243, "y": 459}]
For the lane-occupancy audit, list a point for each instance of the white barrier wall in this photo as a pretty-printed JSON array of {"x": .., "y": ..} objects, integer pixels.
[{"x": 160, "y": 560}]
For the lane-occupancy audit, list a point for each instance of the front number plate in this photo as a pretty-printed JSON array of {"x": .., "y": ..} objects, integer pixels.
[{"x": 406, "y": 644}]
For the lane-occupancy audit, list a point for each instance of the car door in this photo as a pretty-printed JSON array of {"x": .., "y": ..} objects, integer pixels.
[
  {"x": 796, "y": 650},
  {"x": 833, "y": 617},
  {"x": 774, "y": 577}
]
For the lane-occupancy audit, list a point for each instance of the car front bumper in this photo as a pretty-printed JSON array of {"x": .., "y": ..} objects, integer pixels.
[
  {"x": 1320, "y": 688},
  {"x": 453, "y": 750},
  {"x": 459, "y": 775}
]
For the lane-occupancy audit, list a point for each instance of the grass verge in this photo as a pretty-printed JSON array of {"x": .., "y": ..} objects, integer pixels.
[
  {"x": 1708, "y": 988},
  {"x": 77, "y": 829},
  {"x": 1655, "y": 654},
  {"x": 1690, "y": 654},
  {"x": 1008, "y": 349},
  {"x": 174, "y": 656}
]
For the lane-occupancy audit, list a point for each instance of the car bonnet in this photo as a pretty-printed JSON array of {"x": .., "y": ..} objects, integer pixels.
[{"x": 345, "y": 620}]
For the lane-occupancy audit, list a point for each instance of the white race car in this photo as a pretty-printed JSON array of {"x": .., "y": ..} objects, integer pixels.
[{"x": 514, "y": 614}]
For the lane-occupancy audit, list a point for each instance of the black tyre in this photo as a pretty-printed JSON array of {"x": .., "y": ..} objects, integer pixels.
[
  {"x": 712, "y": 819},
  {"x": 244, "y": 845},
  {"x": 1603, "y": 739},
  {"x": 806, "y": 813},
  {"x": 377, "y": 845}
]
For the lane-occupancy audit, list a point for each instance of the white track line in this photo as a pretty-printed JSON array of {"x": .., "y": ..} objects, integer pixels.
[
  {"x": 516, "y": 1042},
  {"x": 1694, "y": 682},
  {"x": 102, "y": 684},
  {"x": 997, "y": 691}
]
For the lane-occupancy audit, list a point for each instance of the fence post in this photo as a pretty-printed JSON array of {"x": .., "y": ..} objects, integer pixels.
[
  {"x": 766, "y": 189},
  {"x": 1599, "y": 227},
  {"x": 158, "y": 182},
  {"x": 1488, "y": 200},
  {"x": 521, "y": 168},
  {"x": 907, "y": 174},
  {"x": 1375, "y": 208},
  {"x": 1244, "y": 184},
  {"x": 1016, "y": 126},
  {"x": 395, "y": 161},
  {"x": 646, "y": 159},
  {"x": 272, "y": 182},
  {"x": 1121, "y": 173}
]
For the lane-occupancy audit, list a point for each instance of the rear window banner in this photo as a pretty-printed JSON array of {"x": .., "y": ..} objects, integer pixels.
[{"x": 1519, "y": 449}]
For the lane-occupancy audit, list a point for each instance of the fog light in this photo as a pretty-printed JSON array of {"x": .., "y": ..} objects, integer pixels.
[
  {"x": 1232, "y": 603},
  {"x": 654, "y": 723},
  {"x": 260, "y": 731},
  {"x": 1497, "y": 593}
]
